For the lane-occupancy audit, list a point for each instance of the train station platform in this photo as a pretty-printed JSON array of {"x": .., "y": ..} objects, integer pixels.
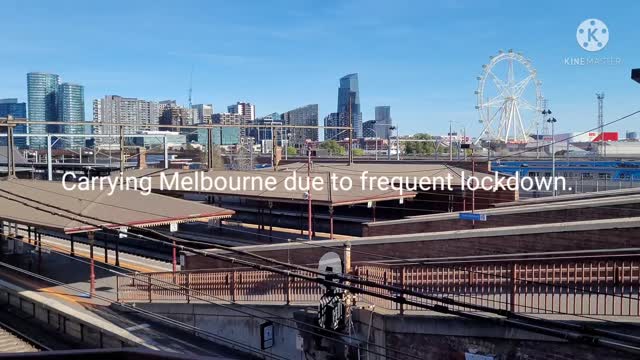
[{"x": 53, "y": 289}]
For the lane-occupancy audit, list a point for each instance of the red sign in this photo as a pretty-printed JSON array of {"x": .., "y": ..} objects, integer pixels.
[{"x": 607, "y": 136}]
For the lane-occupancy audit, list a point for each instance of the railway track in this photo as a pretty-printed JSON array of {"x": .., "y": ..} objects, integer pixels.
[
  {"x": 137, "y": 262},
  {"x": 14, "y": 341}
]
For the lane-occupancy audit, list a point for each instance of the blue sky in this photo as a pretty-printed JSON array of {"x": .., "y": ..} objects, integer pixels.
[{"x": 420, "y": 57}]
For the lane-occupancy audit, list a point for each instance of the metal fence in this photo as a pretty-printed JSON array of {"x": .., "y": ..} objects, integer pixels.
[
  {"x": 243, "y": 285},
  {"x": 587, "y": 286},
  {"x": 578, "y": 185}
]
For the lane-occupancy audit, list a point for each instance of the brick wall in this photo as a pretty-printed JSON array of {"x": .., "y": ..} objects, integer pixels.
[{"x": 454, "y": 347}]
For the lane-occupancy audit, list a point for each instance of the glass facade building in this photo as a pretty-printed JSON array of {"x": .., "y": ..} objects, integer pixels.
[
  {"x": 349, "y": 102},
  {"x": 230, "y": 136},
  {"x": 71, "y": 109},
  {"x": 264, "y": 133},
  {"x": 302, "y": 116},
  {"x": 369, "y": 129},
  {"x": 41, "y": 94},
  {"x": 383, "y": 121},
  {"x": 17, "y": 110},
  {"x": 336, "y": 119}
]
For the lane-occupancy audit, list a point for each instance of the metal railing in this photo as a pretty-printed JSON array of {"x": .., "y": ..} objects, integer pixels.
[
  {"x": 242, "y": 285},
  {"x": 583, "y": 286}
]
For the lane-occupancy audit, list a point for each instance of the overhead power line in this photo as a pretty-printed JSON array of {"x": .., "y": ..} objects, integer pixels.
[{"x": 510, "y": 318}]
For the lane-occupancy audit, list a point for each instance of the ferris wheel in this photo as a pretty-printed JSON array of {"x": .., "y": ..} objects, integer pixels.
[{"x": 509, "y": 98}]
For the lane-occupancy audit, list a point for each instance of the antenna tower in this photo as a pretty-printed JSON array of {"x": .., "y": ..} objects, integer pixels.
[{"x": 600, "y": 97}]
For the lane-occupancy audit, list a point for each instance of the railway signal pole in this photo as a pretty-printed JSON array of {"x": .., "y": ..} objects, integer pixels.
[{"x": 552, "y": 121}]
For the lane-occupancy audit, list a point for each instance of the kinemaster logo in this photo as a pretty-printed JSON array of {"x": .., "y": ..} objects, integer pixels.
[{"x": 592, "y": 35}]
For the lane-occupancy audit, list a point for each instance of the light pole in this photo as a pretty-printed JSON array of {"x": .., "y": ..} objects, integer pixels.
[
  {"x": 391, "y": 128},
  {"x": 537, "y": 140},
  {"x": 286, "y": 152},
  {"x": 376, "y": 138},
  {"x": 552, "y": 121},
  {"x": 397, "y": 143}
]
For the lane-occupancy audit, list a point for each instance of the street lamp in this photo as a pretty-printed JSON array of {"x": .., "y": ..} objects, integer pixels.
[{"x": 552, "y": 121}]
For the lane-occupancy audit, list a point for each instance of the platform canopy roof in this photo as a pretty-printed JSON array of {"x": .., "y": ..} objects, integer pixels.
[
  {"x": 130, "y": 208},
  {"x": 407, "y": 170},
  {"x": 19, "y": 159},
  {"x": 327, "y": 196}
]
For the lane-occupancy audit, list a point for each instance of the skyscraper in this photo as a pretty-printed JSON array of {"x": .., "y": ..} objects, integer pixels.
[
  {"x": 383, "y": 121},
  {"x": 336, "y": 119},
  {"x": 71, "y": 109},
  {"x": 302, "y": 116},
  {"x": 17, "y": 110},
  {"x": 349, "y": 102},
  {"x": 41, "y": 93}
]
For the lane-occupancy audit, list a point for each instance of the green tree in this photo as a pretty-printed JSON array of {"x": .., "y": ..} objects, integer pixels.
[
  {"x": 333, "y": 147},
  {"x": 292, "y": 151},
  {"x": 218, "y": 162},
  {"x": 358, "y": 152},
  {"x": 421, "y": 147}
]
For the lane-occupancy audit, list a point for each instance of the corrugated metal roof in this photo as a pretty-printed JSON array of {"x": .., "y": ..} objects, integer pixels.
[
  {"x": 390, "y": 169},
  {"x": 122, "y": 207},
  {"x": 326, "y": 196},
  {"x": 17, "y": 155}
]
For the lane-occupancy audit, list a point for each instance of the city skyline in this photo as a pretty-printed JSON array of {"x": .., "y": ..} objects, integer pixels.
[{"x": 406, "y": 63}]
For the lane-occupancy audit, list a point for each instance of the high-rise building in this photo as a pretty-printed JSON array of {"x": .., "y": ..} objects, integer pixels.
[
  {"x": 247, "y": 111},
  {"x": 192, "y": 118},
  {"x": 383, "y": 121},
  {"x": 383, "y": 113},
  {"x": 349, "y": 102},
  {"x": 204, "y": 112},
  {"x": 369, "y": 129},
  {"x": 71, "y": 109},
  {"x": 336, "y": 119},
  {"x": 270, "y": 122},
  {"x": 228, "y": 135},
  {"x": 227, "y": 119},
  {"x": 302, "y": 116},
  {"x": 17, "y": 110},
  {"x": 114, "y": 109},
  {"x": 173, "y": 116},
  {"x": 43, "y": 105},
  {"x": 163, "y": 105}
]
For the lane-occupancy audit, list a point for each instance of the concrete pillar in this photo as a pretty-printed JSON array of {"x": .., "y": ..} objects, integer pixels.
[
  {"x": 331, "y": 222},
  {"x": 142, "y": 157},
  {"x": 347, "y": 257}
]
